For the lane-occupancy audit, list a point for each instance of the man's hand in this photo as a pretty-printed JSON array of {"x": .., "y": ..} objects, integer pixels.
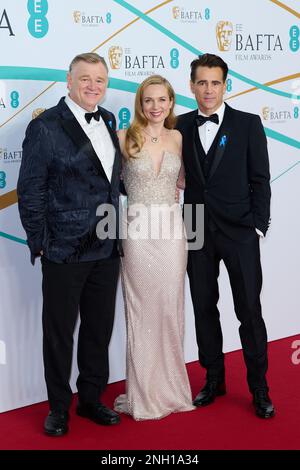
[{"x": 178, "y": 191}]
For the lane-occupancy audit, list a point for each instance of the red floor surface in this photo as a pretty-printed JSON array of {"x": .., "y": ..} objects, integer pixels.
[{"x": 229, "y": 423}]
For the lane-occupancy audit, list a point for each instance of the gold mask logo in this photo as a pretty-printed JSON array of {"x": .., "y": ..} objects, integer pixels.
[
  {"x": 115, "y": 55},
  {"x": 36, "y": 112},
  {"x": 224, "y": 30},
  {"x": 77, "y": 16},
  {"x": 265, "y": 112},
  {"x": 176, "y": 12}
]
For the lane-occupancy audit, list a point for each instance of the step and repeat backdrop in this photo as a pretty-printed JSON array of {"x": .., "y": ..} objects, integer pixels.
[{"x": 260, "y": 41}]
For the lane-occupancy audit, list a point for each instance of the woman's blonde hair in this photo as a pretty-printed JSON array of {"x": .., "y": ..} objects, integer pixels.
[{"x": 134, "y": 138}]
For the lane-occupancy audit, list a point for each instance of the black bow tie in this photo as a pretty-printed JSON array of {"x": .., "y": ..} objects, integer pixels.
[
  {"x": 89, "y": 116},
  {"x": 200, "y": 120}
]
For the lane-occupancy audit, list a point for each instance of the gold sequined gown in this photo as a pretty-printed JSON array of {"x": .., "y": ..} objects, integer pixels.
[{"x": 153, "y": 276}]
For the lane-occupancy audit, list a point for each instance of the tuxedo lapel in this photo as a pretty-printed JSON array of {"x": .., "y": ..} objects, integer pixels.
[
  {"x": 79, "y": 137},
  {"x": 107, "y": 119},
  {"x": 197, "y": 149},
  {"x": 222, "y": 138},
  {"x": 192, "y": 143}
]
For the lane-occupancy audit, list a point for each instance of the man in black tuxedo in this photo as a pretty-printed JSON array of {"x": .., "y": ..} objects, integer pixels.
[
  {"x": 227, "y": 169},
  {"x": 70, "y": 166}
]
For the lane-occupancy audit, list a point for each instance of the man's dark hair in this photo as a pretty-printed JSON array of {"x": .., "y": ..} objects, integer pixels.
[{"x": 208, "y": 60}]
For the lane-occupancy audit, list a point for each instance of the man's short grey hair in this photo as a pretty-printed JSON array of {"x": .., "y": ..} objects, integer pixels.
[{"x": 90, "y": 58}]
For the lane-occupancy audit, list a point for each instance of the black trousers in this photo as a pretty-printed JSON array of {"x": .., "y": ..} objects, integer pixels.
[
  {"x": 89, "y": 287},
  {"x": 242, "y": 261}
]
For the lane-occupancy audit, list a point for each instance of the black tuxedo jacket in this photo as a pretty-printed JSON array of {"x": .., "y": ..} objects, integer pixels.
[
  {"x": 61, "y": 184},
  {"x": 236, "y": 190}
]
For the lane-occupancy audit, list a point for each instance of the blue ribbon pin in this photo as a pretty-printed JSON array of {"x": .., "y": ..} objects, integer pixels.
[
  {"x": 223, "y": 141},
  {"x": 110, "y": 123}
]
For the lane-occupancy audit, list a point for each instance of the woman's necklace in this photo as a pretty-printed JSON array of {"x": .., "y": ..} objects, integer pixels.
[{"x": 154, "y": 140}]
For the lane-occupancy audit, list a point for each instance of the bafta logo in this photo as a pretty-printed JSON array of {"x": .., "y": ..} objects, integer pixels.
[
  {"x": 76, "y": 16},
  {"x": 265, "y": 113},
  {"x": 115, "y": 54},
  {"x": 176, "y": 12},
  {"x": 36, "y": 112},
  {"x": 224, "y": 31}
]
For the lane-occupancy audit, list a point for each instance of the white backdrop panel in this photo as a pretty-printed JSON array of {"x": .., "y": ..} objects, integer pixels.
[{"x": 38, "y": 40}]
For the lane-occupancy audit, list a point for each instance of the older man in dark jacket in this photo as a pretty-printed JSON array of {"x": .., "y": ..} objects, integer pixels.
[{"x": 70, "y": 167}]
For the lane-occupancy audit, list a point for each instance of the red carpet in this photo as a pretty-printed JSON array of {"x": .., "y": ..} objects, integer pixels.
[{"x": 229, "y": 423}]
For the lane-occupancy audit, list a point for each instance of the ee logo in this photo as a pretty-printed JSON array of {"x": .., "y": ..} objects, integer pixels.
[
  {"x": 174, "y": 54},
  {"x": 2, "y": 179},
  {"x": 14, "y": 99},
  {"x": 38, "y": 24},
  {"x": 124, "y": 117},
  {"x": 294, "y": 38}
]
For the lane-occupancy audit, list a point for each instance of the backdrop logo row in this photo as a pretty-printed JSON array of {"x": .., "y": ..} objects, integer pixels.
[{"x": 228, "y": 36}]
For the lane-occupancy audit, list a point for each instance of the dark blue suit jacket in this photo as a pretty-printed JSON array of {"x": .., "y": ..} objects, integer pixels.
[{"x": 61, "y": 184}]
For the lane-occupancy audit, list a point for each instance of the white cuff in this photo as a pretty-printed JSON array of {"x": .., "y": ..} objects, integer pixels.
[{"x": 259, "y": 233}]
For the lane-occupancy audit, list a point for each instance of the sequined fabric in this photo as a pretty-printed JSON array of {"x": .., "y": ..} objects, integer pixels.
[{"x": 153, "y": 275}]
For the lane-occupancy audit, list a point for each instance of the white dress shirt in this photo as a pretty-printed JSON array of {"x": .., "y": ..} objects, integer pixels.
[
  {"x": 208, "y": 132},
  {"x": 98, "y": 134}
]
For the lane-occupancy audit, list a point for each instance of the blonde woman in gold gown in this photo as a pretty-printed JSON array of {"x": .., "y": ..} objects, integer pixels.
[{"x": 155, "y": 257}]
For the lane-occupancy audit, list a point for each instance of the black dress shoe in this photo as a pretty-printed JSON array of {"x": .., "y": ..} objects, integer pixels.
[
  {"x": 56, "y": 423},
  {"x": 263, "y": 405},
  {"x": 209, "y": 392},
  {"x": 98, "y": 413}
]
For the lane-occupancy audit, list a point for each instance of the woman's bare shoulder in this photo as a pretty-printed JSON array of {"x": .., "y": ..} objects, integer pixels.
[{"x": 175, "y": 134}]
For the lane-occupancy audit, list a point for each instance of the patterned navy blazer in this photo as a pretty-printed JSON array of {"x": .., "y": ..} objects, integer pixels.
[{"x": 61, "y": 184}]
